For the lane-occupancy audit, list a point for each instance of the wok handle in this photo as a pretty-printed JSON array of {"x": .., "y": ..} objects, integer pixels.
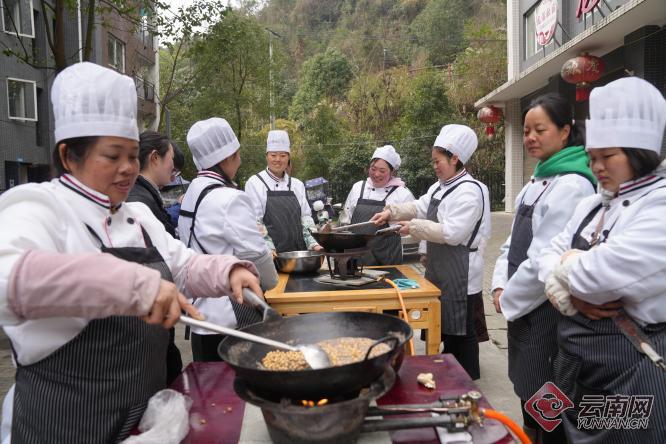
[
  {"x": 386, "y": 338},
  {"x": 260, "y": 305},
  {"x": 347, "y": 227},
  {"x": 236, "y": 333}
]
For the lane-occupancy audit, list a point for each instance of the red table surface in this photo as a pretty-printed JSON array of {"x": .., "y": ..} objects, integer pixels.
[{"x": 216, "y": 415}]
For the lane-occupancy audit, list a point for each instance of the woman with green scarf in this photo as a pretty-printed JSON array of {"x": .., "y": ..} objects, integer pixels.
[{"x": 562, "y": 178}]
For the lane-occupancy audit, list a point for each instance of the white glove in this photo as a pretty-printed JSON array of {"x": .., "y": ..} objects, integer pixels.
[
  {"x": 403, "y": 211},
  {"x": 427, "y": 230},
  {"x": 557, "y": 284}
]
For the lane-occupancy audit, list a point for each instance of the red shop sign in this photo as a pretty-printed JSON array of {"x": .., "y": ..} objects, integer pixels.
[
  {"x": 585, "y": 6},
  {"x": 545, "y": 21}
]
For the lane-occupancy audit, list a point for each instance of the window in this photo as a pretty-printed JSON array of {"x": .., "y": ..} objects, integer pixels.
[
  {"x": 116, "y": 54},
  {"x": 531, "y": 44},
  {"x": 17, "y": 17},
  {"x": 22, "y": 99}
]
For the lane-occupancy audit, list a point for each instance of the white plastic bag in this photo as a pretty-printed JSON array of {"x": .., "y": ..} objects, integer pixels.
[{"x": 165, "y": 421}]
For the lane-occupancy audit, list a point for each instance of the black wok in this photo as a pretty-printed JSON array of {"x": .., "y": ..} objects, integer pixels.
[
  {"x": 340, "y": 241},
  {"x": 245, "y": 357}
]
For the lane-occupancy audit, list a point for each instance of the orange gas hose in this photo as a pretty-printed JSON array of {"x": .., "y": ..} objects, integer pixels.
[
  {"x": 404, "y": 312},
  {"x": 512, "y": 426}
]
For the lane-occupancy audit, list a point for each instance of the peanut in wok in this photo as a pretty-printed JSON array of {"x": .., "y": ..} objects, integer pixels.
[{"x": 340, "y": 351}]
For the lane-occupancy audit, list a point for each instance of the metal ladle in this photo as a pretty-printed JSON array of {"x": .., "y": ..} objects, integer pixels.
[{"x": 314, "y": 355}]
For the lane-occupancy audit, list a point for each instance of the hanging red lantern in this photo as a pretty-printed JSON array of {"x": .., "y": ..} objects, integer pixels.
[
  {"x": 490, "y": 115},
  {"x": 582, "y": 71}
]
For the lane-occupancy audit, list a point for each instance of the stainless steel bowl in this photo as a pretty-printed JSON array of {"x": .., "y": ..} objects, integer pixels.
[{"x": 299, "y": 261}]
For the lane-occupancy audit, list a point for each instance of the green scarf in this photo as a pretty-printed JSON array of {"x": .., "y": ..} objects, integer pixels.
[{"x": 571, "y": 159}]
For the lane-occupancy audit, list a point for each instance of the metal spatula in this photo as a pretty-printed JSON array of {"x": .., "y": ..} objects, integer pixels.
[{"x": 314, "y": 355}]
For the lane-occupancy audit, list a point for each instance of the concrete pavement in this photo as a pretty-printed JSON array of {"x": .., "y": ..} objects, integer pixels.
[{"x": 494, "y": 381}]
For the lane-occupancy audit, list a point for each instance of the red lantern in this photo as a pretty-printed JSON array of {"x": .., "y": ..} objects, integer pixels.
[
  {"x": 582, "y": 71},
  {"x": 490, "y": 115}
]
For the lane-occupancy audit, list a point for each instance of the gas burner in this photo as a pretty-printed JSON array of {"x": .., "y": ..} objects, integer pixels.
[
  {"x": 338, "y": 420},
  {"x": 344, "y": 418},
  {"x": 346, "y": 264}
]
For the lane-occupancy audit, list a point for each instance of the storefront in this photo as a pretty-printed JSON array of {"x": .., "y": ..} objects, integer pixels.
[{"x": 629, "y": 36}]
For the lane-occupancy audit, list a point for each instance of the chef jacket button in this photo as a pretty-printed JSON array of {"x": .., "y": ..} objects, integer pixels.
[
  {"x": 532, "y": 180},
  {"x": 130, "y": 220},
  {"x": 544, "y": 183},
  {"x": 625, "y": 203},
  {"x": 108, "y": 220},
  {"x": 605, "y": 233}
]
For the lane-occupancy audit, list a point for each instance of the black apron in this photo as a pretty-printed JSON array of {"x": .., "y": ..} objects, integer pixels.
[
  {"x": 595, "y": 358},
  {"x": 533, "y": 337},
  {"x": 282, "y": 218},
  {"x": 447, "y": 266},
  {"x": 245, "y": 314},
  {"x": 384, "y": 250},
  {"x": 95, "y": 388}
]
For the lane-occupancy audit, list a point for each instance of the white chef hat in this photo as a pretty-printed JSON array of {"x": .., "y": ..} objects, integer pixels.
[
  {"x": 389, "y": 154},
  {"x": 278, "y": 140},
  {"x": 211, "y": 141},
  {"x": 626, "y": 113},
  {"x": 459, "y": 140},
  {"x": 90, "y": 100}
]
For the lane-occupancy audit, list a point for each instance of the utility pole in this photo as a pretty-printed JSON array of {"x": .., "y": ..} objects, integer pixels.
[
  {"x": 270, "y": 75},
  {"x": 270, "y": 79}
]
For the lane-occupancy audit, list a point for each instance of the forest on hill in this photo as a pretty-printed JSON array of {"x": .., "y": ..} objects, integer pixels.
[{"x": 342, "y": 77}]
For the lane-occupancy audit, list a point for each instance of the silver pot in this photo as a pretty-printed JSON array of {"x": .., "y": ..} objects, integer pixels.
[{"x": 299, "y": 261}]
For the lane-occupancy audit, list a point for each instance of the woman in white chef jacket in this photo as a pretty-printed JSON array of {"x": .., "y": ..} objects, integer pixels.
[
  {"x": 279, "y": 200},
  {"x": 454, "y": 218},
  {"x": 369, "y": 196},
  {"x": 85, "y": 278},
  {"x": 216, "y": 217},
  {"x": 606, "y": 272},
  {"x": 561, "y": 179}
]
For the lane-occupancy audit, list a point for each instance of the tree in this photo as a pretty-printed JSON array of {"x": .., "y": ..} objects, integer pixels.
[
  {"x": 325, "y": 75},
  {"x": 375, "y": 102},
  {"x": 350, "y": 166},
  {"x": 438, "y": 28},
  {"x": 232, "y": 65}
]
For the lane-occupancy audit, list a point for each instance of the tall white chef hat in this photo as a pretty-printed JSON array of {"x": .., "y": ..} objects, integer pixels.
[
  {"x": 626, "y": 113},
  {"x": 90, "y": 100},
  {"x": 278, "y": 140},
  {"x": 389, "y": 154},
  {"x": 211, "y": 141},
  {"x": 459, "y": 140}
]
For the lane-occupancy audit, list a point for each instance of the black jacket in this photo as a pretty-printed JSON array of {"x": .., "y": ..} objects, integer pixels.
[{"x": 144, "y": 192}]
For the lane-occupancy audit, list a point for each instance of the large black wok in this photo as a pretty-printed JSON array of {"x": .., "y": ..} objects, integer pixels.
[
  {"x": 245, "y": 357},
  {"x": 340, "y": 241}
]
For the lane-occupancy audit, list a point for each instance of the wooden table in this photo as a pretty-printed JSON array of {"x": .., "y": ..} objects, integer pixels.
[{"x": 423, "y": 306}]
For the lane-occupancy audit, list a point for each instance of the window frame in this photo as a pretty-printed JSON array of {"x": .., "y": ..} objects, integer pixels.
[
  {"x": 34, "y": 98},
  {"x": 116, "y": 42},
  {"x": 537, "y": 48},
  {"x": 16, "y": 32}
]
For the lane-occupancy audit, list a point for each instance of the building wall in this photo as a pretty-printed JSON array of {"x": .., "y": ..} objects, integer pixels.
[
  {"x": 24, "y": 143},
  {"x": 568, "y": 25},
  {"x": 25, "y": 146},
  {"x": 140, "y": 56},
  {"x": 642, "y": 55}
]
